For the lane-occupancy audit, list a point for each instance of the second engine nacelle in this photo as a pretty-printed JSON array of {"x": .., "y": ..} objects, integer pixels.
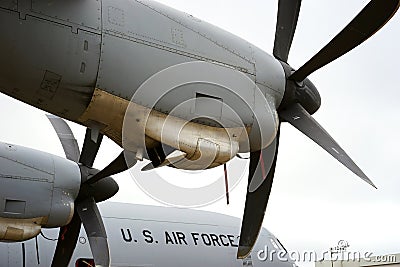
[{"x": 37, "y": 190}]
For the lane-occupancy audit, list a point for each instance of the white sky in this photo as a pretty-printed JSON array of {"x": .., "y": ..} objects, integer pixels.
[{"x": 315, "y": 201}]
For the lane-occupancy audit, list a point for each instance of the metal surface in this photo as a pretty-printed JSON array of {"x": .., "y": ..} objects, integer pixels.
[
  {"x": 201, "y": 38},
  {"x": 85, "y": 15},
  {"x": 16, "y": 230},
  {"x": 111, "y": 117},
  {"x": 68, "y": 141},
  {"x": 156, "y": 128},
  {"x": 169, "y": 31},
  {"x": 90, "y": 148},
  {"x": 288, "y": 15},
  {"x": 45, "y": 183},
  {"x": 47, "y": 72},
  {"x": 126, "y": 223},
  {"x": 38, "y": 190},
  {"x": 122, "y": 163}
]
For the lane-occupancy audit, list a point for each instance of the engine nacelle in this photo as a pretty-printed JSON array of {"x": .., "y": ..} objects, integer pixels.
[{"x": 37, "y": 190}]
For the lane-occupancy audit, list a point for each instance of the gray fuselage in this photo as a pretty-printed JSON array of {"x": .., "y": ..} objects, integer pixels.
[{"x": 156, "y": 236}]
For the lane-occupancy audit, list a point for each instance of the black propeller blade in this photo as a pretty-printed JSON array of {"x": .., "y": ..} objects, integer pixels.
[
  {"x": 90, "y": 148},
  {"x": 89, "y": 152},
  {"x": 288, "y": 14},
  {"x": 297, "y": 116},
  {"x": 67, "y": 239},
  {"x": 262, "y": 165},
  {"x": 267, "y": 157},
  {"x": 100, "y": 188},
  {"x": 94, "y": 227},
  {"x": 373, "y": 17},
  {"x": 302, "y": 99},
  {"x": 118, "y": 165}
]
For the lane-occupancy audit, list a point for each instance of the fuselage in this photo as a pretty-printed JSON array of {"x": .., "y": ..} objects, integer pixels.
[
  {"x": 94, "y": 63},
  {"x": 154, "y": 236}
]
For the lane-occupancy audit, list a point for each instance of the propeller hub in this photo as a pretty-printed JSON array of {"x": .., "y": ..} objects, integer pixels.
[
  {"x": 308, "y": 96},
  {"x": 101, "y": 190},
  {"x": 305, "y": 93}
]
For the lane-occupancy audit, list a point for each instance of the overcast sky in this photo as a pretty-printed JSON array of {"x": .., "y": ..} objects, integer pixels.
[{"x": 315, "y": 201}]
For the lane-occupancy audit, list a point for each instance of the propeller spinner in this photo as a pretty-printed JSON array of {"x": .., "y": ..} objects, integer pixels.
[{"x": 301, "y": 100}]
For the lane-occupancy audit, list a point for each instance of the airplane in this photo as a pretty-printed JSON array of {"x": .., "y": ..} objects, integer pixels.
[
  {"x": 141, "y": 235},
  {"x": 39, "y": 191},
  {"x": 171, "y": 88}
]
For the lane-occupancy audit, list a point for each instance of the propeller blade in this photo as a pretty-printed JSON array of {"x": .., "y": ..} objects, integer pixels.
[
  {"x": 373, "y": 17},
  {"x": 94, "y": 227},
  {"x": 67, "y": 139},
  {"x": 67, "y": 239},
  {"x": 158, "y": 156},
  {"x": 256, "y": 201},
  {"x": 288, "y": 14},
  {"x": 116, "y": 166},
  {"x": 90, "y": 148},
  {"x": 297, "y": 116},
  {"x": 266, "y": 164},
  {"x": 169, "y": 160}
]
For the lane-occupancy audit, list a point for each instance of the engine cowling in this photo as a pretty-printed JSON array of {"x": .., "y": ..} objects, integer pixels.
[{"x": 37, "y": 190}]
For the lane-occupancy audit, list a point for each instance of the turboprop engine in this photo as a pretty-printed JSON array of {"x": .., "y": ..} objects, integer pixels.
[{"x": 38, "y": 190}]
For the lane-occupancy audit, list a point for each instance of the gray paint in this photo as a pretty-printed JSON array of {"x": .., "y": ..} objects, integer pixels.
[
  {"x": 176, "y": 32},
  {"x": 125, "y": 65},
  {"x": 58, "y": 64},
  {"x": 136, "y": 47},
  {"x": 84, "y": 15},
  {"x": 43, "y": 61},
  {"x": 46, "y": 185}
]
